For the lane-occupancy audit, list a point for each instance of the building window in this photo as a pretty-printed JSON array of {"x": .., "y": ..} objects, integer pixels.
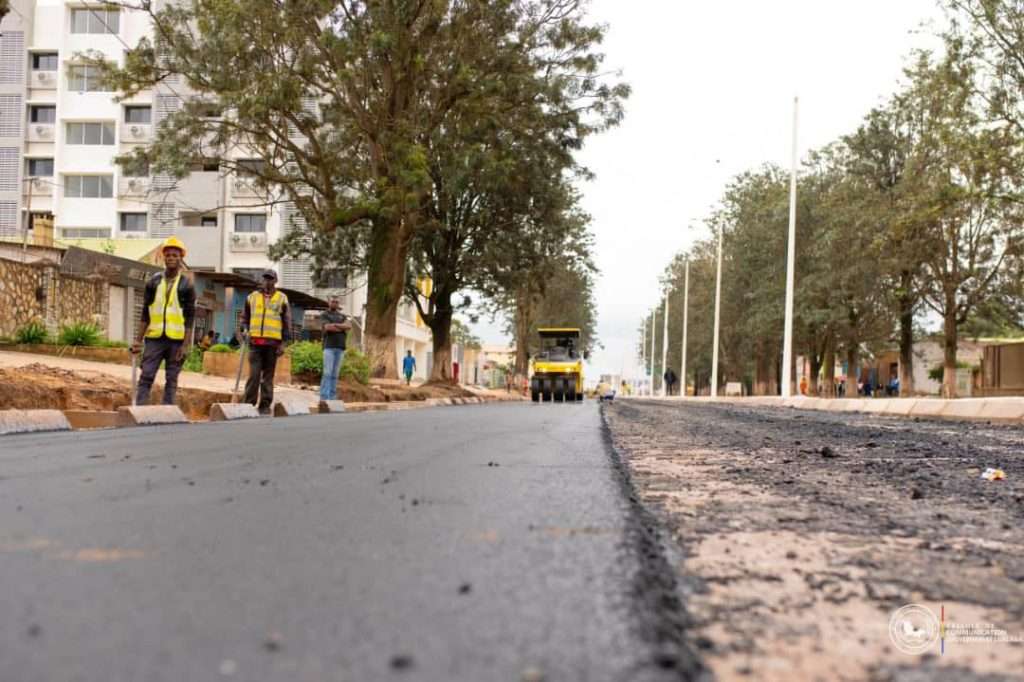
[
  {"x": 133, "y": 222},
  {"x": 250, "y": 222},
  {"x": 205, "y": 166},
  {"x": 255, "y": 274},
  {"x": 39, "y": 168},
  {"x": 40, "y": 113},
  {"x": 138, "y": 114},
  {"x": 88, "y": 20},
  {"x": 334, "y": 278},
  {"x": 208, "y": 221},
  {"x": 85, "y": 78},
  {"x": 89, "y": 186},
  {"x": 44, "y": 61},
  {"x": 90, "y": 133},
  {"x": 249, "y": 167},
  {"x": 85, "y": 232}
]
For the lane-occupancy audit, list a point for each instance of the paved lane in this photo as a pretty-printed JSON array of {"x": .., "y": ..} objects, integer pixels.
[{"x": 474, "y": 543}]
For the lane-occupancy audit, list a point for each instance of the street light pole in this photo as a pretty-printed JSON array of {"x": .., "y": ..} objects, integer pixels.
[
  {"x": 787, "y": 342},
  {"x": 664, "y": 350},
  {"x": 718, "y": 309},
  {"x": 654, "y": 335},
  {"x": 686, "y": 315},
  {"x": 643, "y": 350}
]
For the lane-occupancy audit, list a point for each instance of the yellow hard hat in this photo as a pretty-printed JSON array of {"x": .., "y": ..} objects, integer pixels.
[{"x": 174, "y": 243}]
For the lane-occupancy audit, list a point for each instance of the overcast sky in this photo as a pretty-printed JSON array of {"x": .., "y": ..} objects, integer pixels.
[{"x": 715, "y": 81}]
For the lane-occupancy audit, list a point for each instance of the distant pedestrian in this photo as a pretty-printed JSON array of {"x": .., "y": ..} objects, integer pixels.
[
  {"x": 267, "y": 319},
  {"x": 168, "y": 309},
  {"x": 408, "y": 366},
  {"x": 335, "y": 326},
  {"x": 455, "y": 371},
  {"x": 670, "y": 380},
  {"x": 209, "y": 339}
]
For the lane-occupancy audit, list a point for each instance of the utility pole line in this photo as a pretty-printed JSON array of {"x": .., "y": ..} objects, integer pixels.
[
  {"x": 654, "y": 335},
  {"x": 686, "y": 314},
  {"x": 643, "y": 351},
  {"x": 787, "y": 342},
  {"x": 664, "y": 350},
  {"x": 718, "y": 308}
]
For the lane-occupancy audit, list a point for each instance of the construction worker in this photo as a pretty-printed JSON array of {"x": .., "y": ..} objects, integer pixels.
[
  {"x": 168, "y": 308},
  {"x": 267, "y": 320}
]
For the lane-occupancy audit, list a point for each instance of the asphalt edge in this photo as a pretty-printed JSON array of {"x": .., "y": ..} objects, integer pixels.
[{"x": 656, "y": 600}]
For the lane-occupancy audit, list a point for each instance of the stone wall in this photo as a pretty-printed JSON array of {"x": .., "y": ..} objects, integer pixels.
[
  {"x": 81, "y": 300},
  {"x": 19, "y": 305},
  {"x": 38, "y": 292}
]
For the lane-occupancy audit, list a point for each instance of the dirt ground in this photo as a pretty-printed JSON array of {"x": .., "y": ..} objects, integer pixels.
[
  {"x": 381, "y": 392},
  {"x": 800, "y": 533},
  {"x": 39, "y": 386}
]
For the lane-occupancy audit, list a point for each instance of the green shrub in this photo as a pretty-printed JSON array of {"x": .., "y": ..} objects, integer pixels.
[
  {"x": 307, "y": 356},
  {"x": 194, "y": 360},
  {"x": 79, "y": 334},
  {"x": 33, "y": 332},
  {"x": 356, "y": 366},
  {"x": 221, "y": 348}
]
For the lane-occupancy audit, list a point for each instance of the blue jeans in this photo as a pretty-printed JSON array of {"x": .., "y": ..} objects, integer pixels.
[{"x": 329, "y": 377}]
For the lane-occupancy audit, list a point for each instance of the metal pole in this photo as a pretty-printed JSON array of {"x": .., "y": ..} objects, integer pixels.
[
  {"x": 718, "y": 308},
  {"x": 654, "y": 335},
  {"x": 643, "y": 350},
  {"x": 787, "y": 342},
  {"x": 664, "y": 350},
  {"x": 686, "y": 315}
]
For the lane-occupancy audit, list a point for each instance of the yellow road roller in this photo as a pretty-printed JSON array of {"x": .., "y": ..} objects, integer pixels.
[{"x": 557, "y": 370}]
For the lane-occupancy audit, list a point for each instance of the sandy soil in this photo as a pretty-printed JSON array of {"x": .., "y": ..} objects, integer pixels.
[{"x": 802, "y": 532}]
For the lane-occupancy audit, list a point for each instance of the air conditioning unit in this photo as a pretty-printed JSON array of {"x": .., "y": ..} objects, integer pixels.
[
  {"x": 133, "y": 235},
  {"x": 136, "y": 130},
  {"x": 256, "y": 241},
  {"x": 43, "y": 76},
  {"x": 44, "y": 131},
  {"x": 38, "y": 183}
]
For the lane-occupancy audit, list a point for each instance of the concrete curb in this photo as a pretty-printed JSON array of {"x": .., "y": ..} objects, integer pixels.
[
  {"x": 32, "y": 421},
  {"x": 1004, "y": 410}
]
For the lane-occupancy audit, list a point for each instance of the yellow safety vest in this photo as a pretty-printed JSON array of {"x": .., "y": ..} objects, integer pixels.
[
  {"x": 165, "y": 313},
  {"x": 266, "y": 321}
]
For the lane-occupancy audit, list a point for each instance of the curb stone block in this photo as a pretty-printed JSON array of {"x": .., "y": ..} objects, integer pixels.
[
  {"x": 290, "y": 407},
  {"x": 927, "y": 407},
  {"x": 966, "y": 408},
  {"x": 874, "y": 406},
  {"x": 901, "y": 407},
  {"x": 1002, "y": 409},
  {"x": 150, "y": 415},
  {"x": 222, "y": 412},
  {"x": 32, "y": 421}
]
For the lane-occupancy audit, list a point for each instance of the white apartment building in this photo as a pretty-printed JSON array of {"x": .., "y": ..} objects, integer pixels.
[{"x": 60, "y": 133}]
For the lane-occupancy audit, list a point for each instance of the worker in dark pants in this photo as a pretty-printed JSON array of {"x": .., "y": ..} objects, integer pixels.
[
  {"x": 168, "y": 309},
  {"x": 267, "y": 320}
]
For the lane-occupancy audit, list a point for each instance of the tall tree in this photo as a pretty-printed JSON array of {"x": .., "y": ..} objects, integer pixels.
[{"x": 336, "y": 98}]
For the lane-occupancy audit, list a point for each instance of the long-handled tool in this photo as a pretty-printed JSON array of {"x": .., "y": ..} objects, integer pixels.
[
  {"x": 241, "y": 363},
  {"x": 135, "y": 370}
]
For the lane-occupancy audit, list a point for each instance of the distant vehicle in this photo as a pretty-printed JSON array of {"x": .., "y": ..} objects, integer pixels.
[{"x": 558, "y": 368}]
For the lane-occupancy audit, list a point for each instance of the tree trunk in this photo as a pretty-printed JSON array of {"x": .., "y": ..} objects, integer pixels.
[
  {"x": 812, "y": 380},
  {"x": 949, "y": 351},
  {"x": 830, "y": 368},
  {"x": 906, "y": 338},
  {"x": 441, "y": 330},
  {"x": 523, "y": 322},
  {"x": 385, "y": 281},
  {"x": 762, "y": 372},
  {"x": 852, "y": 359}
]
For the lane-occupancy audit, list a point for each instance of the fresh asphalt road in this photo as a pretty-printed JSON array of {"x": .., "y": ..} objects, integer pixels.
[{"x": 465, "y": 543}]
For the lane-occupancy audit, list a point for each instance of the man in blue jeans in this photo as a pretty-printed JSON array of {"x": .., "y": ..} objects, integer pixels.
[
  {"x": 408, "y": 366},
  {"x": 335, "y": 325}
]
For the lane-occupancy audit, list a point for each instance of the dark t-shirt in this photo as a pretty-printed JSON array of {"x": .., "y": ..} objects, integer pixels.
[{"x": 333, "y": 339}]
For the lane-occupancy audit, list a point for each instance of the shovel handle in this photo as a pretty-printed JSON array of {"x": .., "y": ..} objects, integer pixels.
[
  {"x": 135, "y": 368},
  {"x": 241, "y": 362}
]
